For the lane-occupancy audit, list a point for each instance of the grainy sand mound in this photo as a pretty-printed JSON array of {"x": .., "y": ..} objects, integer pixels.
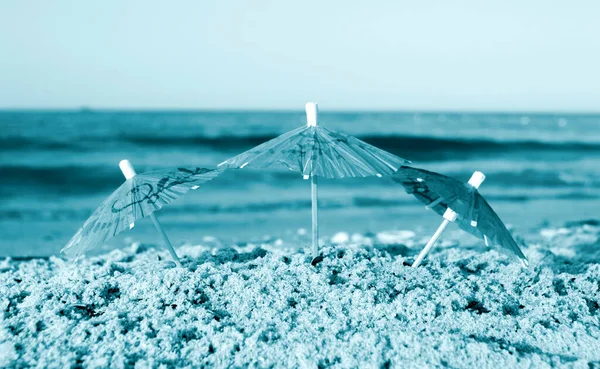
[{"x": 358, "y": 307}]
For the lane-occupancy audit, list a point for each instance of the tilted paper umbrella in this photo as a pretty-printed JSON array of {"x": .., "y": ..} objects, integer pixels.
[
  {"x": 315, "y": 151},
  {"x": 140, "y": 196},
  {"x": 457, "y": 202}
]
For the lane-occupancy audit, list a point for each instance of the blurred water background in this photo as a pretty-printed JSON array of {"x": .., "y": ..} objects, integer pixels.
[{"x": 57, "y": 166}]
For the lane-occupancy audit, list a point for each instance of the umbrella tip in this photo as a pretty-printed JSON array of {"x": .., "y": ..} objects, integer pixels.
[
  {"x": 127, "y": 169},
  {"x": 476, "y": 179},
  {"x": 312, "y": 111}
]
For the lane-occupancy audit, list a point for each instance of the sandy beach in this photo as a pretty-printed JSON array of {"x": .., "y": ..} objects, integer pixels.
[{"x": 266, "y": 305}]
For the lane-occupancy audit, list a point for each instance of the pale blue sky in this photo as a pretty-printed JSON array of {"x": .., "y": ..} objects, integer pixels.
[{"x": 434, "y": 55}]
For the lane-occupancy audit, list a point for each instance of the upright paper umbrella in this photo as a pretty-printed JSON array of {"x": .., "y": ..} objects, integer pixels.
[
  {"x": 140, "y": 196},
  {"x": 457, "y": 202},
  {"x": 315, "y": 151}
]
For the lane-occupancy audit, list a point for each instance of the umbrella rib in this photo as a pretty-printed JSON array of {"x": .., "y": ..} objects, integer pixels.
[
  {"x": 372, "y": 152},
  {"x": 265, "y": 148},
  {"x": 373, "y": 155},
  {"x": 348, "y": 154},
  {"x": 435, "y": 202}
]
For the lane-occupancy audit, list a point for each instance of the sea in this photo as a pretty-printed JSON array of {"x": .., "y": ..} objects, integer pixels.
[{"x": 56, "y": 167}]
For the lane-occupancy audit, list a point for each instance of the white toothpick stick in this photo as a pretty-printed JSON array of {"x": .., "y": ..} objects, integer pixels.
[
  {"x": 449, "y": 216},
  {"x": 160, "y": 230},
  {"x": 312, "y": 111},
  {"x": 129, "y": 173},
  {"x": 315, "y": 221}
]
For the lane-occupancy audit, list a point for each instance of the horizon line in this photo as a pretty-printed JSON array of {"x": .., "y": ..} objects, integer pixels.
[{"x": 91, "y": 110}]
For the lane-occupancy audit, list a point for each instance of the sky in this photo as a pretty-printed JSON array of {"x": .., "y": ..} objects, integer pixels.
[{"x": 226, "y": 54}]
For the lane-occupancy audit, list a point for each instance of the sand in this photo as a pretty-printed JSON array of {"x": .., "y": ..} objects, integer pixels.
[{"x": 267, "y": 306}]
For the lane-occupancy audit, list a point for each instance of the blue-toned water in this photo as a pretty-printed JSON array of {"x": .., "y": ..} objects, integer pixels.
[{"x": 58, "y": 166}]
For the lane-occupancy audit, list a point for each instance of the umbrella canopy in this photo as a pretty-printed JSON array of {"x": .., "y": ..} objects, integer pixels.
[
  {"x": 471, "y": 211},
  {"x": 315, "y": 151},
  {"x": 138, "y": 197}
]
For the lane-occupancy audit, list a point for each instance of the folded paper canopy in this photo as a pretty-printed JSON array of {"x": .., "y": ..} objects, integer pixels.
[
  {"x": 473, "y": 214},
  {"x": 138, "y": 197},
  {"x": 314, "y": 150}
]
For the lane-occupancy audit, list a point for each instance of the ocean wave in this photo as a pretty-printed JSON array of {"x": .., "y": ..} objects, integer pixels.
[
  {"x": 19, "y": 143},
  {"x": 403, "y": 200},
  {"x": 400, "y": 144},
  {"x": 67, "y": 179},
  {"x": 414, "y": 147},
  {"x": 98, "y": 179}
]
